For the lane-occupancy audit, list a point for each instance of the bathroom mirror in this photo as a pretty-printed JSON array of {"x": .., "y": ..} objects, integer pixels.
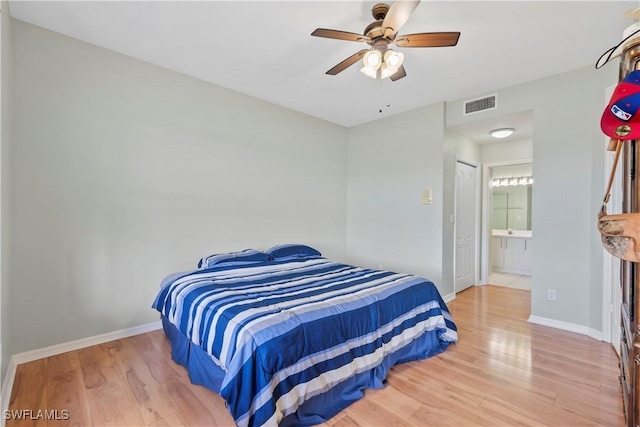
[{"x": 511, "y": 197}]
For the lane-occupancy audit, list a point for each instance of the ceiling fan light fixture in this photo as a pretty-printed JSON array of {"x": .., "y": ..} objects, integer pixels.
[
  {"x": 369, "y": 72},
  {"x": 372, "y": 59},
  {"x": 393, "y": 59},
  {"x": 501, "y": 133},
  {"x": 386, "y": 71},
  {"x": 392, "y": 62}
]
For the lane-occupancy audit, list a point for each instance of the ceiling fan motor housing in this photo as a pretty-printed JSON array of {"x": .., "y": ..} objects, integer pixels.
[
  {"x": 379, "y": 11},
  {"x": 374, "y": 30}
]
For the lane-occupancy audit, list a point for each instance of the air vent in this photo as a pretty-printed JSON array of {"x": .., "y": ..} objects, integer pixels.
[{"x": 481, "y": 104}]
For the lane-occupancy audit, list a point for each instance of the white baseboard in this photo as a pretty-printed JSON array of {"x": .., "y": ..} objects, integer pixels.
[
  {"x": 597, "y": 335},
  {"x": 449, "y": 297},
  {"x": 7, "y": 387},
  {"x": 30, "y": 356},
  {"x": 566, "y": 326}
]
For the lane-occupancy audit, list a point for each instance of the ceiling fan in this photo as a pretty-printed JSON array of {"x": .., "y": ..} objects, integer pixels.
[{"x": 380, "y": 61}]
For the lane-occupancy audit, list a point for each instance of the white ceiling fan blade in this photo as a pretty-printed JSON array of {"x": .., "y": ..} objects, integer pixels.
[{"x": 398, "y": 15}]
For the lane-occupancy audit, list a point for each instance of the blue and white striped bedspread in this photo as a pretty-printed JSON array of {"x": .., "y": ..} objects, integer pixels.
[{"x": 285, "y": 331}]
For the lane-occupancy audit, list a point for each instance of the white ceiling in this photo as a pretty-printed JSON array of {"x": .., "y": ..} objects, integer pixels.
[{"x": 264, "y": 48}]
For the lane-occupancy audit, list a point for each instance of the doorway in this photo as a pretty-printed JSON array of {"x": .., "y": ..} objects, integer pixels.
[
  {"x": 466, "y": 214},
  {"x": 508, "y": 245}
]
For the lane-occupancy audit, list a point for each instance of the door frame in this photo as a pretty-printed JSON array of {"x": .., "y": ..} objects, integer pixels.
[
  {"x": 608, "y": 264},
  {"x": 608, "y": 261},
  {"x": 486, "y": 208},
  {"x": 479, "y": 179}
]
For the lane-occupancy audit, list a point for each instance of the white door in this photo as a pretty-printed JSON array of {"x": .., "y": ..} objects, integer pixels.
[{"x": 465, "y": 258}]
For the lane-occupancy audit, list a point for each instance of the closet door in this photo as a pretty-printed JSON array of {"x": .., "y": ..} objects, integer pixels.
[{"x": 465, "y": 261}]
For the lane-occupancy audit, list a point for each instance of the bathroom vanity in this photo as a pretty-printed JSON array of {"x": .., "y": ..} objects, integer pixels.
[{"x": 511, "y": 251}]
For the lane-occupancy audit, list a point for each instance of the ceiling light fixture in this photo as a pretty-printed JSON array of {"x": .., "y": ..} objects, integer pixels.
[
  {"x": 377, "y": 65},
  {"x": 502, "y": 132}
]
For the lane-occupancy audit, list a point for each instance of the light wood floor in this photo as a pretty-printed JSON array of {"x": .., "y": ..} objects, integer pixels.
[{"x": 503, "y": 372}]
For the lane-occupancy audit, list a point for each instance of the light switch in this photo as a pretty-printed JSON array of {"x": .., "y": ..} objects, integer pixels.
[{"x": 427, "y": 198}]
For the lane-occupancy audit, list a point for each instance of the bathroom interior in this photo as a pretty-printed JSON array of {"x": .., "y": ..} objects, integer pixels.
[{"x": 511, "y": 235}]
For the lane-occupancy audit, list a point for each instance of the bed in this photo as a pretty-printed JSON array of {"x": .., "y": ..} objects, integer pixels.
[{"x": 288, "y": 337}]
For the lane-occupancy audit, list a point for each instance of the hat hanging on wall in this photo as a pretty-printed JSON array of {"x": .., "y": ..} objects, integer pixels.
[
  {"x": 621, "y": 118},
  {"x": 630, "y": 35}
]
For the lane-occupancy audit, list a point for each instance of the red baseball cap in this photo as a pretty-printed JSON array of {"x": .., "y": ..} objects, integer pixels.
[{"x": 621, "y": 118}]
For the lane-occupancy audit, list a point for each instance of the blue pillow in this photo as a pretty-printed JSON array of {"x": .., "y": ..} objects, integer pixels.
[
  {"x": 248, "y": 256},
  {"x": 292, "y": 250}
]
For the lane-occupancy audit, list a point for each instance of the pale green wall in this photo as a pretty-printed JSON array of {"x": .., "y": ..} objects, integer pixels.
[
  {"x": 568, "y": 159},
  {"x": 507, "y": 151},
  {"x": 391, "y": 162},
  {"x": 123, "y": 172}
]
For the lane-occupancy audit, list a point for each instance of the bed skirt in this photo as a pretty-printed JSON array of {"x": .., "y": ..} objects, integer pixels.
[{"x": 204, "y": 371}]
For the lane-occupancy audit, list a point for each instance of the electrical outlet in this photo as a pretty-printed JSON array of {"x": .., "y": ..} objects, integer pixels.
[{"x": 551, "y": 294}]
